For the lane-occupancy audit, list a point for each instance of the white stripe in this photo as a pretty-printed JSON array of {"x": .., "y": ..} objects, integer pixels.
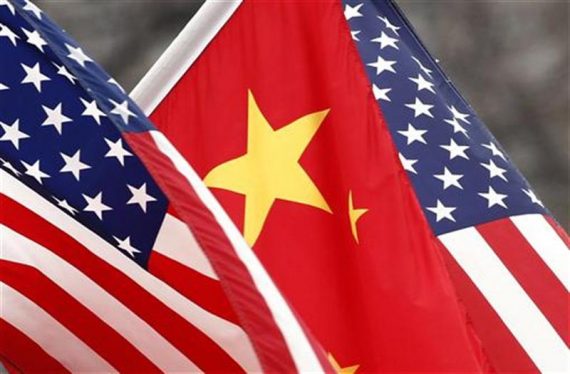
[
  {"x": 176, "y": 242},
  {"x": 182, "y": 53},
  {"x": 521, "y": 316},
  {"x": 231, "y": 338},
  {"x": 19, "y": 249},
  {"x": 48, "y": 333},
  {"x": 301, "y": 350},
  {"x": 547, "y": 244}
]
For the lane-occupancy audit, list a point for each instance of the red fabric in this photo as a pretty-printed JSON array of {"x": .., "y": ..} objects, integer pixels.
[{"x": 384, "y": 304}]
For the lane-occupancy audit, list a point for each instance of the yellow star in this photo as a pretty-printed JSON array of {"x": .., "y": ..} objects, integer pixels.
[
  {"x": 340, "y": 370},
  {"x": 270, "y": 169},
  {"x": 354, "y": 215}
]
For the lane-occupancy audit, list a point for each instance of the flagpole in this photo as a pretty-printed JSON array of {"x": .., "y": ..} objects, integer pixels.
[{"x": 182, "y": 53}]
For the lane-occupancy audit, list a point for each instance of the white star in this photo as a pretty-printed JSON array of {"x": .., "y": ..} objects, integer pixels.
[
  {"x": 6, "y": 32},
  {"x": 62, "y": 70},
  {"x": 10, "y": 167},
  {"x": 353, "y": 35},
  {"x": 35, "y": 39},
  {"x": 55, "y": 117},
  {"x": 352, "y": 11},
  {"x": 92, "y": 110},
  {"x": 116, "y": 150},
  {"x": 533, "y": 197},
  {"x": 381, "y": 93},
  {"x": 494, "y": 150},
  {"x": 456, "y": 126},
  {"x": 457, "y": 114},
  {"x": 139, "y": 196},
  {"x": 65, "y": 205},
  {"x": 412, "y": 134},
  {"x": 73, "y": 164},
  {"x": 385, "y": 41},
  {"x": 494, "y": 170},
  {"x": 125, "y": 245},
  {"x": 34, "y": 76},
  {"x": 441, "y": 211},
  {"x": 12, "y": 133},
  {"x": 422, "y": 67},
  {"x": 382, "y": 65},
  {"x": 422, "y": 83},
  {"x": 77, "y": 54},
  {"x": 389, "y": 25},
  {"x": 3, "y": 87},
  {"x": 408, "y": 164},
  {"x": 122, "y": 110},
  {"x": 455, "y": 150},
  {"x": 494, "y": 198},
  {"x": 31, "y": 7},
  {"x": 9, "y": 5},
  {"x": 95, "y": 205},
  {"x": 34, "y": 171},
  {"x": 449, "y": 179},
  {"x": 115, "y": 83},
  {"x": 420, "y": 108}
]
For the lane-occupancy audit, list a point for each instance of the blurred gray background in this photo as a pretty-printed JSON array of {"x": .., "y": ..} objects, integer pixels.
[{"x": 510, "y": 59}]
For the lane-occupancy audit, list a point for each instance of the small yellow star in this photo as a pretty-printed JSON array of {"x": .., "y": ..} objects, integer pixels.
[
  {"x": 354, "y": 215},
  {"x": 270, "y": 169},
  {"x": 340, "y": 370}
]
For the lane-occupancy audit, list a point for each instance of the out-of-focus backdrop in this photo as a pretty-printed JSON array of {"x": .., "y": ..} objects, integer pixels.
[{"x": 510, "y": 59}]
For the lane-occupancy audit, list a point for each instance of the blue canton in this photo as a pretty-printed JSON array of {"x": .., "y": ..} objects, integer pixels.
[
  {"x": 61, "y": 118},
  {"x": 461, "y": 175}
]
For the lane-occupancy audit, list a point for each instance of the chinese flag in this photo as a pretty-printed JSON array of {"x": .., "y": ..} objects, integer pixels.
[{"x": 277, "y": 116}]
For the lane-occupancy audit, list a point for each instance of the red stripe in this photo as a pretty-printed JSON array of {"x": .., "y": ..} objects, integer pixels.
[
  {"x": 559, "y": 230},
  {"x": 204, "y": 291},
  {"x": 248, "y": 303},
  {"x": 184, "y": 336},
  {"x": 535, "y": 277},
  {"x": 170, "y": 210},
  {"x": 501, "y": 347},
  {"x": 23, "y": 354},
  {"x": 111, "y": 346}
]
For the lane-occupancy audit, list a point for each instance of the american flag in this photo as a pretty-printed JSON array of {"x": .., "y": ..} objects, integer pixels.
[
  {"x": 508, "y": 257},
  {"x": 99, "y": 270}
]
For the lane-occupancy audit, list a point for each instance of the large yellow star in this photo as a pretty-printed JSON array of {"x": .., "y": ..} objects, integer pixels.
[
  {"x": 342, "y": 370},
  {"x": 270, "y": 169}
]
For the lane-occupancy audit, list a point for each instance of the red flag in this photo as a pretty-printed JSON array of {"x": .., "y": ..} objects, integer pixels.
[{"x": 278, "y": 117}]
